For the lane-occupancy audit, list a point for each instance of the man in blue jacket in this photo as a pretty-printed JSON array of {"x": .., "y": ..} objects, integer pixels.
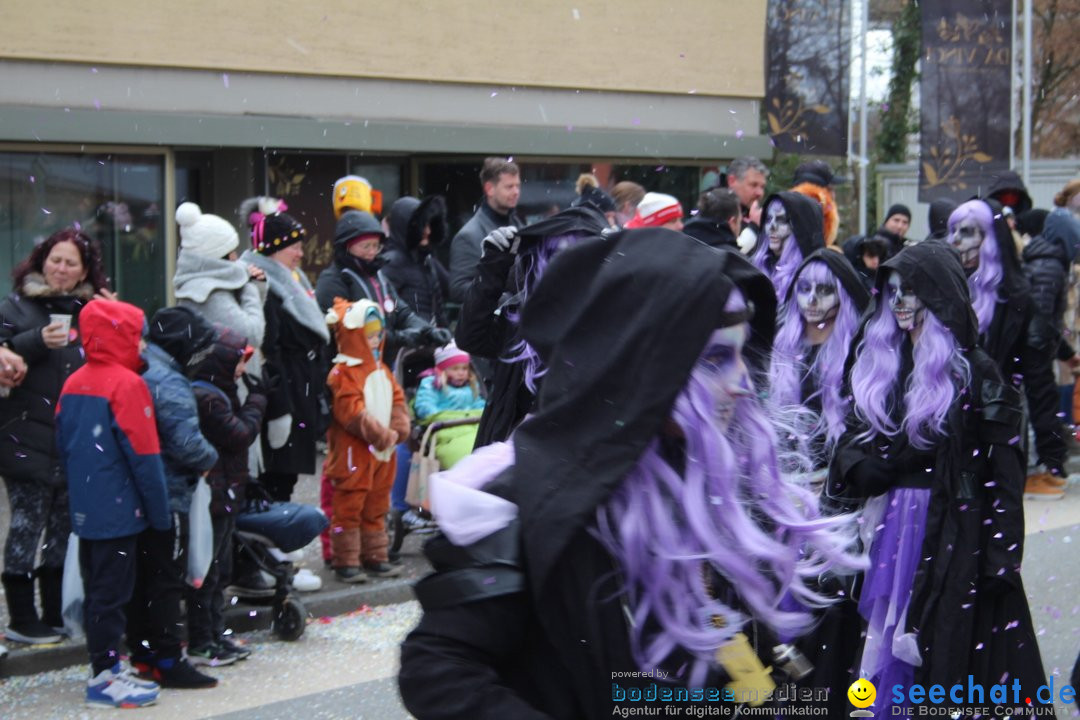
[{"x": 108, "y": 444}]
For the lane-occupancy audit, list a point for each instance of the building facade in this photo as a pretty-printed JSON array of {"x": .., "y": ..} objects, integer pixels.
[{"x": 111, "y": 114}]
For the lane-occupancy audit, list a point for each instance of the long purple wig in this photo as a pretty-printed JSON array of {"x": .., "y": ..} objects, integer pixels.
[
  {"x": 783, "y": 273},
  {"x": 940, "y": 373},
  {"x": 731, "y": 512},
  {"x": 528, "y": 270},
  {"x": 986, "y": 278},
  {"x": 788, "y": 367}
]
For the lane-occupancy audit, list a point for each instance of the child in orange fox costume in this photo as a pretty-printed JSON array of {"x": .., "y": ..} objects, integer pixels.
[{"x": 369, "y": 419}]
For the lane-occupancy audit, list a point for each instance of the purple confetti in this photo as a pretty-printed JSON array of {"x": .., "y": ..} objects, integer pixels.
[{"x": 225, "y": 79}]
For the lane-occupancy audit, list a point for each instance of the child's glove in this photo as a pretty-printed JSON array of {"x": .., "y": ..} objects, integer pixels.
[{"x": 278, "y": 431}]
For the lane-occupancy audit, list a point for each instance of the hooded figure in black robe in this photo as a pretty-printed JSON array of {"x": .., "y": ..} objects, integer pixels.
[
  {"x": 529, "y": 618},
  {"x": 805, "y": 218},
  {"x": 967, "y": 613},
  {"x": 488, "y": 324}
]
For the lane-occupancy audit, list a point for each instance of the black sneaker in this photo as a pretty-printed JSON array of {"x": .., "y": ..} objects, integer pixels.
[
  {"x": 251, "y": 585},
  {"x": 210, "y": 655},
  {"x": 382, "y": 569},
  {"x": 350, "y": 574},
  {"x": 32, "y": 632},
  {"x": 180, "y": 674},
  {"x": 240, "y": 651}
]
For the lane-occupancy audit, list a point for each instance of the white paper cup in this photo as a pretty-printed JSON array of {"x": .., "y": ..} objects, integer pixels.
[{"x": 64, "y": 320}]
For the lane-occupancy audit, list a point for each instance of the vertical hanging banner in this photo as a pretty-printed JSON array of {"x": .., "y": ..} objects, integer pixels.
[
  {"x": 965, "y": 96},
  {"x": 808, "y": 48}
]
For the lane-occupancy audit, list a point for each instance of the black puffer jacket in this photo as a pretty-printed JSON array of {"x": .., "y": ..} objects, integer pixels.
[
  {"x": 419, "y": 278},
  {"x": 1046, "y": 265},
  {"x": 710, "y": 232},
  {"x": 27, "y": 417},
  {"x": 230, "y": 427}
]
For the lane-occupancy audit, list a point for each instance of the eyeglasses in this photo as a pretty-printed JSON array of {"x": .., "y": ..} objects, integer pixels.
[{"x": 368, "y": 245}]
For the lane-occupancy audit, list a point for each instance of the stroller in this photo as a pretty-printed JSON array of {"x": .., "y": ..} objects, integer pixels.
[
  {"x": 266, "y": 530},
  {"x": 410, "y": 368}
]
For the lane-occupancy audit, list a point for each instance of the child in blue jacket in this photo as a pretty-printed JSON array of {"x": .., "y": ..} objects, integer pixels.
[
  {"x": 453, "y": 386},
  {"x": 107, "y": 440}
]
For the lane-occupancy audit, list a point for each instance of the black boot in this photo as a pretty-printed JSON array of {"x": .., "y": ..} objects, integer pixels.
[
  {"x": 24, "y": 625},
  {"x": 51, "y": 585}
]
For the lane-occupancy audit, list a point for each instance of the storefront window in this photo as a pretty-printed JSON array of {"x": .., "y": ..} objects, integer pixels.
[{"x": 117, "y": 199}]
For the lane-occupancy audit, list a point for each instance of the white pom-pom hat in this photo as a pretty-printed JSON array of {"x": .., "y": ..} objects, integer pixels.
[{"x": 203, "y": 234}]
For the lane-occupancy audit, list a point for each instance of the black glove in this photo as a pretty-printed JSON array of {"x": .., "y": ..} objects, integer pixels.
[
  {"x": 437, "y": 335},
  {"x": 266, "y": 385},
  {"x": 410, "y": 337},
  {"x": 871, "y": 476}
]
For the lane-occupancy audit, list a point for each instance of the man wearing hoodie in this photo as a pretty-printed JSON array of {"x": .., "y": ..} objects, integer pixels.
[
  {"x": 107, "y": 440},
  {"x": 179, "y": 339},
  {"x": 415, "y": 229}
]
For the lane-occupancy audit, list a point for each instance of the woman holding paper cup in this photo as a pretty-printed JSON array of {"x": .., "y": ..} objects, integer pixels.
[{"x": 39, "y": 322}]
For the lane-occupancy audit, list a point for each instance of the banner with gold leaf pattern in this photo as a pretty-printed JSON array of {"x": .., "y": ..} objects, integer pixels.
[
  {"x": 808, "y": 48},
  {"x": 965, "y": 96}
]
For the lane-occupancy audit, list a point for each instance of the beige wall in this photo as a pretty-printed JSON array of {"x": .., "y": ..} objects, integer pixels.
[{"x": 706, "y": 47}]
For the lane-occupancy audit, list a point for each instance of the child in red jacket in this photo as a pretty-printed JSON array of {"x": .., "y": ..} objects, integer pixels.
[
  {"x": 107, "y": 439},
  {"x": 369, "y": 419}
]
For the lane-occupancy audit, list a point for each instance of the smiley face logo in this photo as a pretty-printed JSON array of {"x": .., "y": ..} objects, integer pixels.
[{"x": 862, "y": 693}]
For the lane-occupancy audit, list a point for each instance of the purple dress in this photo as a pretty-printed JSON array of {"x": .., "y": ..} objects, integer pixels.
[{"x": 898, "y": 524}]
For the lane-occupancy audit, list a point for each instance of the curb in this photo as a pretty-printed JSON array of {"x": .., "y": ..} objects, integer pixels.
[{"x": 241, "y": 617}]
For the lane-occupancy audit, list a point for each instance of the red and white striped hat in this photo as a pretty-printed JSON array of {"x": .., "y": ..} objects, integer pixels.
[{"x": 654, "y": 210}]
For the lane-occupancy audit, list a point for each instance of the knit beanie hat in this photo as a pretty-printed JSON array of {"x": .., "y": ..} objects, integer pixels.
[
  {"x": 898, "y": 209},
  {"x": 373, "y": 321},
  {"x": 449, "y": 355},
  {"x": 353, "y": 192},
  {"x": 654, "y": 210},
  {"x": 940, "y": 210},
  {"x": 271, "y": 228},
  {"x": 203, "y": 234}
]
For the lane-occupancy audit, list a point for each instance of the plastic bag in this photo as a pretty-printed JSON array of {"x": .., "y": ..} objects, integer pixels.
[
  {"x": 71, "y": 589},
  {"x": 200, "y": 535}
]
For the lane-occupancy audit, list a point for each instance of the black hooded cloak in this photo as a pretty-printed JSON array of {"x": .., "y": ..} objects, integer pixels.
[
  {"x": 805, "y": 217},
  {"x": 484, "y": 328},
  {"x": 967, "y": 589},
  {"x": 619, "y": 345},
  {"x": 416, "y": 274}
]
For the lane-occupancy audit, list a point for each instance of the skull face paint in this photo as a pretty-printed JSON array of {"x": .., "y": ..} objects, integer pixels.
[
  {"x": 777, "y": 226},
  {"x": 908, "y": 309},
  {"x": 722, "y": 370},
  {"x": 967, "y": 237},
  {"x": 818, "y": 301}
]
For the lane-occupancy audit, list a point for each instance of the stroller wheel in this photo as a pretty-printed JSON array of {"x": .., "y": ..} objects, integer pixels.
[
  {"x": 290, "y": 619},
  {"x": 397, "y": 531}
]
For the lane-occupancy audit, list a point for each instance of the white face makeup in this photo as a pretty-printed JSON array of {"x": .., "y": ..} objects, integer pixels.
[
  {"x": 777, "y": 226},
  {"x": 967, "y": 237},
  {"x": 818, "y": 302},
  {"x": 721, "y": 368},
  {"x": 908, "y": 309}
]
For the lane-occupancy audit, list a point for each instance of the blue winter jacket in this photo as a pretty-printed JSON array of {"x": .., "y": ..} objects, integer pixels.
[
  {"x": 185, "y": 453},
  {"x": 431, "y": 400},
  {"x": 106, "y": 434}
]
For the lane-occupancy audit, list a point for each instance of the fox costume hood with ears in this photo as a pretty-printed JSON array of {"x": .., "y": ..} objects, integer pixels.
[{"x": 368, "y": 404}]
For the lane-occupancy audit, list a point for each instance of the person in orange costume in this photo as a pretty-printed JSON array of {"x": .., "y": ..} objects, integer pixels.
[{"x": 369, "y": 419}]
